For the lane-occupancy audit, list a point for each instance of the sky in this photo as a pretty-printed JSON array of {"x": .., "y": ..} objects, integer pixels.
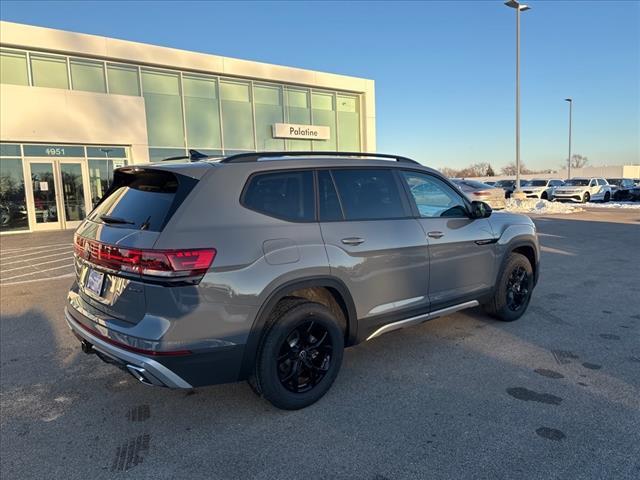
[{"x": 444, "y": 70}]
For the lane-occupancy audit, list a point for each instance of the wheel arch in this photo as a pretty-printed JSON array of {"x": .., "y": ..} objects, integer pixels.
[
  {"x": 528, "y": 249},
  {"x": 336, "y": 288}
]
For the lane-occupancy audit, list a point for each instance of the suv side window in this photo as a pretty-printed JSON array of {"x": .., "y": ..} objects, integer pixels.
[
  {"x": 288, "y": 195},
  {"x": 329, "y": 204},
  {"x": 602, "y": 181},
  {"x": 593, "y": 182},
  {"x": 369, "y": 194},
  {"x": 433, "y": 197}
]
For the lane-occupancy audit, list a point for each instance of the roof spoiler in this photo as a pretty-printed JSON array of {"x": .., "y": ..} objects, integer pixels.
[{"x": 194, "y": 156}]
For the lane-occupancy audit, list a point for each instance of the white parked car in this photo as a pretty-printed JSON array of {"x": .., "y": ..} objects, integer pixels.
[
  {"x": 541, "y": 188},
  {"x": 584, "y": 190}
]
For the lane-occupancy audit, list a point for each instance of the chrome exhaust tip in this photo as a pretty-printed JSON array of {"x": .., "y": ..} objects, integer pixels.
[{"x": 139, "y": 374}]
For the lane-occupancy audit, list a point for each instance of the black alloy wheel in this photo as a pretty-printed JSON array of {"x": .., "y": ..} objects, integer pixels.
[
  {"x": 518, "y": 286},
  {"x": 513, "y": 289},
  {"x": 304, "y": 357},
  {"x": 300, "y": 354}
]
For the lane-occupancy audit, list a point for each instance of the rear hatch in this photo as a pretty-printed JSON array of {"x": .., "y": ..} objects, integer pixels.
[{"x": 114, "y": 253}]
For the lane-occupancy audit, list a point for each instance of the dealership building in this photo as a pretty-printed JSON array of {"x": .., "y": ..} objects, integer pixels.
[{"x": 75, "y": 106}]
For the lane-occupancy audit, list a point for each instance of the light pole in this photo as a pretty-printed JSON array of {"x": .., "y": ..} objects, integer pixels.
[
  {"x": 570, "y": 100},
  {"x": 519, "y": 7}
]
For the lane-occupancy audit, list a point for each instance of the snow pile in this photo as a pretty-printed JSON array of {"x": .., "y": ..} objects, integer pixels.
[
  {"x": 534, "y": 205},
  {"x": 632, "y": 205}
]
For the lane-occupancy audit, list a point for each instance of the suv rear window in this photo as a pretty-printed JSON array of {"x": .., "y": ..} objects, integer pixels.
[
  {"x": 288, "y": 195},
  {"x": 142, "y": 199}
]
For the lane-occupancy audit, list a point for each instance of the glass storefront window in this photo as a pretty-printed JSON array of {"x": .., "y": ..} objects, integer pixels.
[
  {"x": 13, "y": 68},
  {"x": 87, "y": 76},
  {"x": 324, "y": 113},
  {"x": 268, "y": 108},
  {"x": 13, "y": 205},
  {"x": 298, "y": 111},
  {"x": 163, "y": 108},
  {"x": 159, "y": 154},
  {"x": 49, "y": 71},
  {"x": 123, "y": 80},
  {"x": 348, "y": 123},
  {"x": 237, "y": 116},
  {"x": 106, "y": 152},
  {"x": 9, "y": 150},
  {"x": 202, "y": 113}
]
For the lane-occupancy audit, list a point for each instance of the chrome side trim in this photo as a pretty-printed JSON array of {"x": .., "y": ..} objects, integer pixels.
[
  {"x": 421, "y": 318},
  {"x": 158, "y": 371},
  {"x": 395, "y": 305}
]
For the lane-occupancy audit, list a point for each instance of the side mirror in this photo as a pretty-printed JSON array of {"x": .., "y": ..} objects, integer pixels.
[{"x": 480, "y": 210}]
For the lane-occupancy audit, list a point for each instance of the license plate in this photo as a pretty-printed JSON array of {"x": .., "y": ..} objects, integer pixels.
[{"x": 94, "y": 282}]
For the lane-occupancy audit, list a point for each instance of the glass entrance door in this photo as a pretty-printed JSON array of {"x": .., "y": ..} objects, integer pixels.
[
  {"x": 57, "y": 196},
  {"x": 74, "y": 203},
  {"x": 44, "y": 202}
]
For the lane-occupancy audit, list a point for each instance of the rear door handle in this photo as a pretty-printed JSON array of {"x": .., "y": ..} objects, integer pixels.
[
  {"x": 435, "y": 234},
  {"x": 353, "y": 241}
]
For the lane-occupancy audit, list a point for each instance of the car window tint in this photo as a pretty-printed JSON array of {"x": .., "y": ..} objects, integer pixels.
[
  {"x": 144, "y": 200},
  {"x": 433, "y": 197},
  {"x": 284, "y": 194},
  {"x": 368, "y": 194},
  {"x": 329, "y": 205},
  {"x": 601, "y": 181}
]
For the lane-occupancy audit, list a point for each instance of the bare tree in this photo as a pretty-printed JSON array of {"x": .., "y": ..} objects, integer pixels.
[
  {"x": 510, "y": 169},
  {"x": 577, "y": 161},
  {"x": 448, "y": 172}
]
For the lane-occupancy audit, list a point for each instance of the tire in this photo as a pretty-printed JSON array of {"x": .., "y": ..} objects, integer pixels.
[
  {"x": 290, "y": 372},
  {"x": 607, "y": 197},
  {"x": 544, "y": 196},
  {"x": 586, "y": 197},
  {"x": 500, "y": 306}
]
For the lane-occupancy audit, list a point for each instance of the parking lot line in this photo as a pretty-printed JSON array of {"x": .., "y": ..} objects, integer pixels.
[
  {"x": 38, "y": 264},
  {"x": 35, "y": 273},
  {"x": 29, "y": 249},
  {"x": 4, "y": 264},
  {"x": 22, "y": 282},
  {"x": 67, "y": 247}
]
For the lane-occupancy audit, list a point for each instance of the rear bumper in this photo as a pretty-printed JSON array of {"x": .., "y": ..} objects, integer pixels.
[
  {"x": 196, "y": 368},
  {"x": 145, "y": 369}
]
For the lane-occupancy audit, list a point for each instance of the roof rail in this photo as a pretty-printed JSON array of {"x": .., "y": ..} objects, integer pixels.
[
  {"x": 255, "y": 156},
  {"x": 194, "y": 156}
]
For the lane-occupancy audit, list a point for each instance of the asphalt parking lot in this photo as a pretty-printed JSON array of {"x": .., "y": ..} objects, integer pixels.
[{"x": 553, "y": 395}]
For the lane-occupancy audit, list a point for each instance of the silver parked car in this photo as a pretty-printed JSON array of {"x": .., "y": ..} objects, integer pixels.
[
  {"x": 265, "y": 266},
  {"x": 494, "y": 196}
]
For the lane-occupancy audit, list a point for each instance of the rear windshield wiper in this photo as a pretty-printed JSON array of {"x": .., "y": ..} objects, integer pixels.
[{"x": 110, "y": 219}]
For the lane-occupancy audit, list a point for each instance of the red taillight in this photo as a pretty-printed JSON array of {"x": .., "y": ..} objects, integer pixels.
[
  {"x": 482, "y": 193},
  {"x": 155, "y": 263}
]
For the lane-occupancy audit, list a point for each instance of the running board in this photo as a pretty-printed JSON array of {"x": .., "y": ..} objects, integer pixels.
[{"x": 421, "y": 318}]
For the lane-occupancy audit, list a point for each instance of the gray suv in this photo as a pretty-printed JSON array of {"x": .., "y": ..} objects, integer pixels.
[{"x": 264, "y": 266}]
